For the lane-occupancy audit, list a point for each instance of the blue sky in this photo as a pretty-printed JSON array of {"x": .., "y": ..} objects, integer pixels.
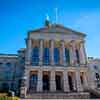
[{"x": 19, "y": 16}]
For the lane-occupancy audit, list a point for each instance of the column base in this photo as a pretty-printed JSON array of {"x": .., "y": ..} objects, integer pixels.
[{"x": 23, "y": 91}]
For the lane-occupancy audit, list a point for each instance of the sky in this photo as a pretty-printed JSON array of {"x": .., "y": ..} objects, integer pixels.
[{"x": 17, "y": 17}]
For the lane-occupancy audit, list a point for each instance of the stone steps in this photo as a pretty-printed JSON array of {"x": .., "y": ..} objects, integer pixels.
[{"x": 81, "y": 95}]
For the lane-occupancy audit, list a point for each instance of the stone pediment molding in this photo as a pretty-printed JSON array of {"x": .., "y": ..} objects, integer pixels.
[{"x": 58, "y": 29}]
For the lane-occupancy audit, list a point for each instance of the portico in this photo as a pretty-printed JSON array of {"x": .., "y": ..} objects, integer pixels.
[{"x": 59, "y": 79}]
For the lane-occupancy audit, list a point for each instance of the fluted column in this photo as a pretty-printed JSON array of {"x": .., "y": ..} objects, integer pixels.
[
  {"x": 79, "y": 85},
  {"x": 82, "y": 53},
  {"x": 28, "y": 51},
  {"x": 52, "y": 81},
  {"x": 52, "y": 52},
  {"x": 65, "y": 78},
  {"x": 63, "y": 53},
  {"x": 41, "y": 53},
  {"x": 40, "y": 82}
]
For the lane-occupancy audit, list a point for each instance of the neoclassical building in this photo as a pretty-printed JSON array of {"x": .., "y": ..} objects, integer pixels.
[{"x": 53, "y": 63}]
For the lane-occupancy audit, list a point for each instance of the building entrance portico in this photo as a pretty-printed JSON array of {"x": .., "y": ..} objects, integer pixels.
[{"x": 47, "y": 80}]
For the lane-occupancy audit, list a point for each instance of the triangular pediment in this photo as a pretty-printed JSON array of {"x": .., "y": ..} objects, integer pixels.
[{"x": 58, "y": 29}]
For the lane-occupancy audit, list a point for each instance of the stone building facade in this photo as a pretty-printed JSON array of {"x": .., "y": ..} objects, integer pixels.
[
  {"x": 53, "y": 61},
  {"x": 94, "y": 67}
]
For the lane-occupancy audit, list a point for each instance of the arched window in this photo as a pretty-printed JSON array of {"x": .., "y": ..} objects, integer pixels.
[
  {"x": 56, "y": 56},
  {"x": 46, "y": 56},
  {"x": 67, "y": 56},
  {"x": 77, "y": 56},
  {"x": 35, "y": 56}
]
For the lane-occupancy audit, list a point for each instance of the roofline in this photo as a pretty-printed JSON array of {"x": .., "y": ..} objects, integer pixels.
[
  {"x": 8, "y": 55},
  {"x": 66, "y": 28}
]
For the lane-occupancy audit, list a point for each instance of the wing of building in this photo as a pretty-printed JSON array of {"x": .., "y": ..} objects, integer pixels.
[{"x": 54, "y": 61}]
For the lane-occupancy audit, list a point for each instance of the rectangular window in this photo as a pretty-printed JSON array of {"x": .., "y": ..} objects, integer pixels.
[{"x": 46, "y": 56}]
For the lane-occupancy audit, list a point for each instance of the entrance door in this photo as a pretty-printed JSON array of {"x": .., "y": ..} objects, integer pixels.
[
  {"x": 33, "y": 82},
  {"x": 45, "y": 82},
  {"x": 70, "y": 83},
  {"x": 58, "y": 82}
]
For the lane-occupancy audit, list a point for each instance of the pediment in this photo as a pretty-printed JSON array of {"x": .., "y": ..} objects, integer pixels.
[{"x": 57, "y": 29}]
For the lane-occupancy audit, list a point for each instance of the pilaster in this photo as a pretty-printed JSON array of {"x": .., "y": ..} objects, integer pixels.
[{"x": 28, "y": 51}]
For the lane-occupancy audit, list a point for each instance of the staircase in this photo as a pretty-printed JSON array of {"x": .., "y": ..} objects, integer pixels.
[
  {"x": 81, "y": 95},
  {"x": 94, "y": 93}
]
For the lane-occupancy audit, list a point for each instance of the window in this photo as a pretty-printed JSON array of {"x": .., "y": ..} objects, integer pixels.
[
  {"x": 77, "y": 56},
  {"x": 35, "y": 56},
  {"x": 97, "y": 76},
  {"x": 22, "y": 60},
  {"x": 46, "y": 56},
  {"x": 67, "y": 56},
  {"x": 1, "y": 64},
  {"x": 33, "y": 82},
  {"x": 56, "y": 56},
  {"x": 8, "y": 64},
  {"x": 8, "y": 75},
  {"x": 95, "y": 67}
]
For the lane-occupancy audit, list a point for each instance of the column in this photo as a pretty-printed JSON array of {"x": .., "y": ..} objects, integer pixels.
[
  {"x": 65, "y": 78},
  {"x": 52, "y": 52},
  {"x": 63, "y": 53},
  {"x": 28, "y": 51},
  {"x": 52, "y": 81},
  {"x": 41, "y": 53},
  {"x": 71, "y": 54},
  {"x": 91, "y": 79},
  {"x": 85, "y": 81},
  {"x": 78, "y": 80},
  {"x": 39, "y": 82},
  {"x": 82, "y": 53},
  {"x": 74, "y": 82},
  {"x": 25, "y": 83}
]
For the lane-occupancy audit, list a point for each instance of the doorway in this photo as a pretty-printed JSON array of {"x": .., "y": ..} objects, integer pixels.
[
  {"x": 70, "y": 83},
  {"x": 58, "y": 83},
  {"x": 46, "y": 83}
]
